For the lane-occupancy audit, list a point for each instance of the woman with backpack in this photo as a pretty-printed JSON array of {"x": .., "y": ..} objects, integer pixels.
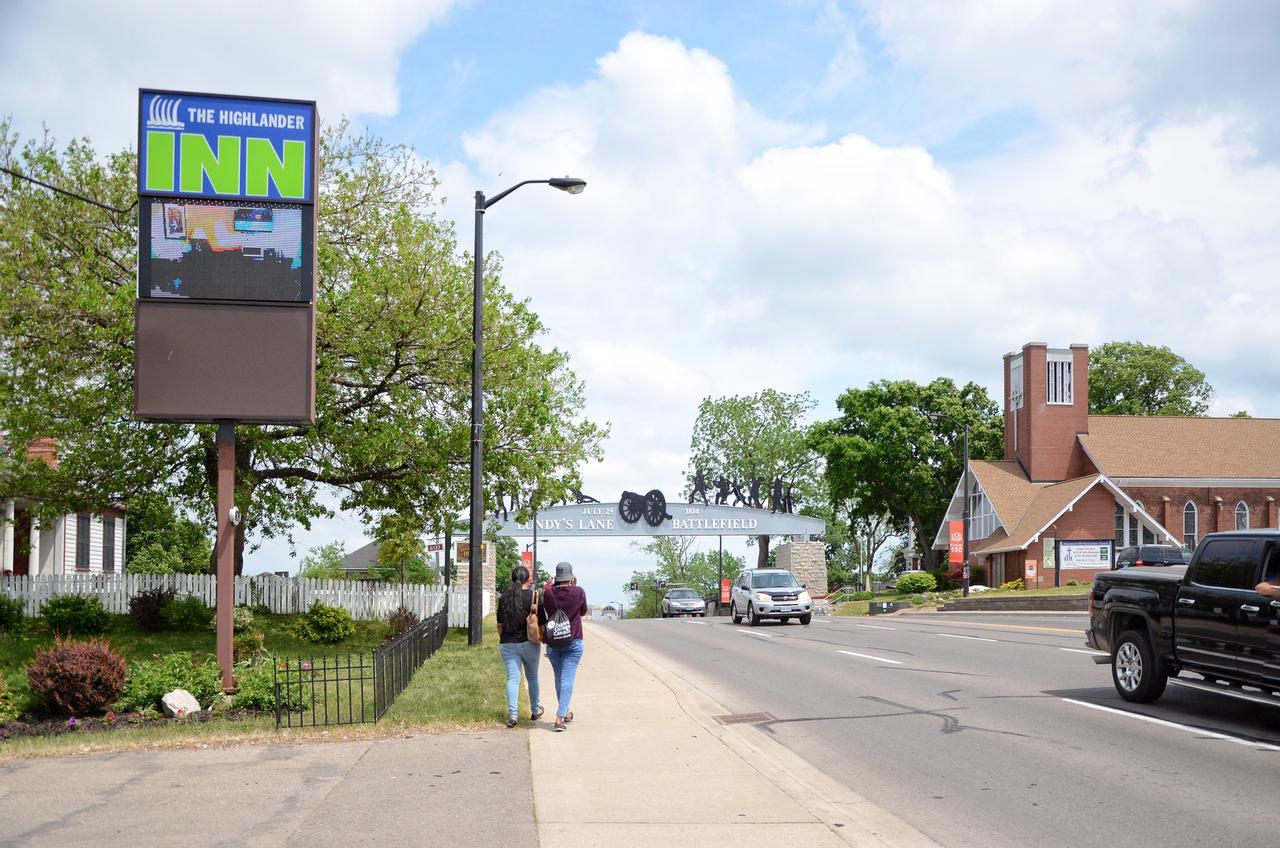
[
  {"x": 563, "y": 606},
  {"x": 517, "y": 644}
]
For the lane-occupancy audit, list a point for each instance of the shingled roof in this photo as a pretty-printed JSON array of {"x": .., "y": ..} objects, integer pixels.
[
  {"x": 1172, "y": 447},
  {"x": 1047, "y": 502}
]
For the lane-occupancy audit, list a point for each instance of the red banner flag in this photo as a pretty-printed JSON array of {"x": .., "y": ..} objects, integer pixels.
[{"x": 956, "y": 531}]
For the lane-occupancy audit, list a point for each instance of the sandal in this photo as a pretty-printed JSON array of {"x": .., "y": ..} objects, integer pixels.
[
  {"x": 537, "y": 715},
  {"x": 512, "y": 721}
]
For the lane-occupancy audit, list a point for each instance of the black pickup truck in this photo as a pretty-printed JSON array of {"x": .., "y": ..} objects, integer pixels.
[{"x": 1217, "y": 617}]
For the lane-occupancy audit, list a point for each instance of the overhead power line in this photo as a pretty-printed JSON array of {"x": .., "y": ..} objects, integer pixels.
[{"x": 89, "y": 200}]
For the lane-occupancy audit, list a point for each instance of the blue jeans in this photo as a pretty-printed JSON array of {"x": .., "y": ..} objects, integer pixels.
[
  {"x": 514, "y": 655},
  {"x": 564, "y": 662}
]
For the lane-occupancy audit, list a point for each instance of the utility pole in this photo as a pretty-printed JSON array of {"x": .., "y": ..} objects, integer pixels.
[{"x": 965, "y": 514}]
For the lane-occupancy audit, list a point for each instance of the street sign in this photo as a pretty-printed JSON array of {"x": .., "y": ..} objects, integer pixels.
[
  {"x": 955, "y": 531},
  {"x": 434, "y": 547},
  {"x": 662, "y": 582}
]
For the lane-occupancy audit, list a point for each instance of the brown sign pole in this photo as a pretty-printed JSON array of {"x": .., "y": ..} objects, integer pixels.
[{"x": 226, "y": 550}]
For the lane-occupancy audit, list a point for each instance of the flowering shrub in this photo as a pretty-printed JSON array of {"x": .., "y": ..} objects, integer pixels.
[
  {"x": 77, "y": 678},
  {"x": 1014, "y": 584},
  {"x": 249, "y": 646},
  {"x": 147, "y": 609},
  {"x": 8, "y": 706},
  {"x": 242, "y": 620},
  {"x": 151, "y": 680},
  {"x": 78, "y": 615},
  {"x": 323, "y": 623}
]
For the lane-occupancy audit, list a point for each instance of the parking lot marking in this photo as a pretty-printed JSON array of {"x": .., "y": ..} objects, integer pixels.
[
  {"x": 958, "y": 636},
  {"x": 877, "y": 627},
  {"x": 869, "y": 657},
  {"x": 1083, "y": 651},
  {"x": 1188, "y": 728}
]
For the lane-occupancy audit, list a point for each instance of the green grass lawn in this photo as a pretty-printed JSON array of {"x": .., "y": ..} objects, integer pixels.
[{"x": 459, "y": 685}]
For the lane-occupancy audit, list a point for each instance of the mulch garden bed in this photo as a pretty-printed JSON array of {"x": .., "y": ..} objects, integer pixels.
[{"x": 113, "y": 722}]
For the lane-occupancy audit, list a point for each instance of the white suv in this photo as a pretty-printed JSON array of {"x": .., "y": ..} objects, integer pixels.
[{"x": 762, "y": 593}]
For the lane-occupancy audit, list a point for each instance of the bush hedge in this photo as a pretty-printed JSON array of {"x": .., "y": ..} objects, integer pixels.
[
  {"x": 151, "y": 680},
  {"x": 187, "y": 613},
  {"x": 77, "y": 615},
  {"x": 325, "y": 624},
  {"x": 77, "y": 678},
  {"x": 10, "y": 613},
  {"x": 8, "y": 706},
  {"x": 401, "y": 620},
  {"x": 147, "y": 609},
  {"x": 915, "y": 582},
  {"x": 1014, "y": 584}
]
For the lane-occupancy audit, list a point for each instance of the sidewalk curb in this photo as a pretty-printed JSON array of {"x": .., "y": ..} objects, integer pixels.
[{"x": 851, "y": 817}]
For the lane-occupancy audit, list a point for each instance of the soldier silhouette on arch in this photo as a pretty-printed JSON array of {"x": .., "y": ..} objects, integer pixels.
[
  {"x": 699, "y": 487},
  {"x": 722, "y": 491}
]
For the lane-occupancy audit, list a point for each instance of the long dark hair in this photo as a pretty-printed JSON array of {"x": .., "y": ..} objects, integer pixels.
[{"x": 519, "y": 575}]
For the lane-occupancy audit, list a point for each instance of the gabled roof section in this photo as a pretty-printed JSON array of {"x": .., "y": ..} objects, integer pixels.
[
  {"x": 1049, "y": 502},
  {"x": 1168, "y": 446},
  {"x": 1007, "y": 487},
  {"x": 361, "y": 559}
]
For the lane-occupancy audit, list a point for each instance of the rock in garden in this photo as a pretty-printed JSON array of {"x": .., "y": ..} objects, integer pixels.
[{"x": 179, "y": 702}]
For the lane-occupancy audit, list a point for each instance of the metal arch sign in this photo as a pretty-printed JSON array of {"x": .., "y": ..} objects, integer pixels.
[
  {"x": 685, "y": 519},
  {"x": 226, "y": 147}
]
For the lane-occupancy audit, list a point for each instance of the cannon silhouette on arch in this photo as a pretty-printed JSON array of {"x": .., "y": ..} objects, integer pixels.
[{"x": 652, "y": 507}]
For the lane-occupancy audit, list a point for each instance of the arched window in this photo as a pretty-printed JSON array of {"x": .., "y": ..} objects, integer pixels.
[
  {"x": 1119, "y": 525},
  {"x": 1189, "y": 527},
  {"x": 1242, "y": 516}
]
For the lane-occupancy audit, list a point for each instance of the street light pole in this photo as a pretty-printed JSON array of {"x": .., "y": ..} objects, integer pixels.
[{"x": 475, "y": 574}]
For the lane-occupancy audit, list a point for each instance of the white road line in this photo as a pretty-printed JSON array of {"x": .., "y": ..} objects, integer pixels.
[
  {"x": 869, "y": 657},
  {"x": 877, "y": 627},
  {"x": 1083, "y": 651},
  {"x": 958, "y": 636},
  {"x": 757, "y": 635},
  {"x": 1196, "y": 730}
]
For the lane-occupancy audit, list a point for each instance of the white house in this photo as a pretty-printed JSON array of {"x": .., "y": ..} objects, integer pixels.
[{"x": 86, "y": 542}]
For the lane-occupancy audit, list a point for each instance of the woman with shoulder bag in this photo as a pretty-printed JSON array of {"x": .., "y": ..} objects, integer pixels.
[
  {"x": 563, "y": 606},
  {"x": 519, "y": 646}
]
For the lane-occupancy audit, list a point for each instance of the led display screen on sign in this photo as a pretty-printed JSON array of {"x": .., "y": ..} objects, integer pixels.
[
  {"x": 221, "y": 147},
  {"x": 220, "y": 251}
]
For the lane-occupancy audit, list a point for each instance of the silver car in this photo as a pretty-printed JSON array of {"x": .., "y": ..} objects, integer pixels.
[
  {"x": 775, "y": 593},
  {"x": 683, "y": 602}
]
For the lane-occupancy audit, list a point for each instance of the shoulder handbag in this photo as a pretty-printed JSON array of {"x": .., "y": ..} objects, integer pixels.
[{"x": 531, "y": 623}]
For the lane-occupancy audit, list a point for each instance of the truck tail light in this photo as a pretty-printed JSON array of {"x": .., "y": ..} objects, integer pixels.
[{"x": 1139, "y": 562}]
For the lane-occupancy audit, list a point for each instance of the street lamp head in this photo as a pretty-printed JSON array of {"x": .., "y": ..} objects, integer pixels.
[{"x": 573, "y": 185}]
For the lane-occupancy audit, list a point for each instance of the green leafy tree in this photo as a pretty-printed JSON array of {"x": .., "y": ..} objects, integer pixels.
[
  {"x": 1132, "y": 378},
  {"x": 897, "y": 448},
  {"x": 402, "y": 554},
  {"x": 678, "y": 564},
  {"x": 393, "y": 356},
  {"x": 855, "y": 539},
  {"x": 758, "y": 438},
  {"x": 159, "y": 541},
  {"x": 324, "y": 562}
]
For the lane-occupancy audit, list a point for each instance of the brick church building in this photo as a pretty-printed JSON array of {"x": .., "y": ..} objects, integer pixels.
[{"x": 1071, "y": 482}]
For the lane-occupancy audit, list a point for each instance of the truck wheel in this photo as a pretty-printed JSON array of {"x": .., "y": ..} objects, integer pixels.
[
  {"x": 1138, "y": 674},
  {"x": 806, "y": 618}
]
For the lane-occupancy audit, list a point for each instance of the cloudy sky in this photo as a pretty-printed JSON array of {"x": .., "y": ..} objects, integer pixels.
[{"x": 794, "y": 194}]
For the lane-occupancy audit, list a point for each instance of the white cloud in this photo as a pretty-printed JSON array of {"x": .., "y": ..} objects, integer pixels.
[{"x": 77, "y": 66}]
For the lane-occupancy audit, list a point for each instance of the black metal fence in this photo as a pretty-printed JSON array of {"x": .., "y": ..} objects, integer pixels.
[{"x": 357, "y": 688}]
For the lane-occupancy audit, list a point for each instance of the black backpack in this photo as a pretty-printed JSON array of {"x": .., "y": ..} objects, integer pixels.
[{"x": 559, "y": 630}]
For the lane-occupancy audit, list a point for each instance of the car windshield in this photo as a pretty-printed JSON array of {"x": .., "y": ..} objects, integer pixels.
[
  {"x": 683, "y": 595},
  {"x": 775, "y": 580}
]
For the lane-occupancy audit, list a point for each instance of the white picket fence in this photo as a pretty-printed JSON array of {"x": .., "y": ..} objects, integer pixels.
[{"x": 284, "y": 595}]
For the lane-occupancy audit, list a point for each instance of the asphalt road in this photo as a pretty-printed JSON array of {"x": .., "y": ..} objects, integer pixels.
[{"x": 990, "y": 730}]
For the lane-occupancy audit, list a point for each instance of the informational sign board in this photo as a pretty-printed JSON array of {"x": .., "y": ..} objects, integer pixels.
[
  {"x": 1031, "y": 569},
  {"x": 724, "y": 590},
  {"x": 1050, "y": 561},
  {"x": 225, "y": 316},
  {"x": 435, "y": 547},
  {"x": 955, "y": 532},
  {"x": 1094, "y": 553},
  {"x": 226, "y": 147},
  {"x": 464, "y": 551}
]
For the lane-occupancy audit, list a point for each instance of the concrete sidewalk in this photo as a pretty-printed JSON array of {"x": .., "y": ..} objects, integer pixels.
[
  {"x": 645, "y": 764},
  {"x": 451, "y": 791}
]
